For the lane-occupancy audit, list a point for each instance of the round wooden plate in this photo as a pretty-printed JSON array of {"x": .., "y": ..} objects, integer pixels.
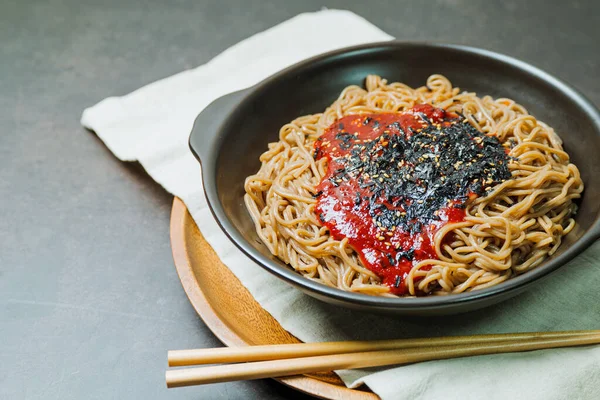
[{"x": 230, "y": 311}]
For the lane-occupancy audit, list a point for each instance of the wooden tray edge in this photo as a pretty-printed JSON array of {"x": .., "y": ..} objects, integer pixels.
[{"x": 304, "y": 384}]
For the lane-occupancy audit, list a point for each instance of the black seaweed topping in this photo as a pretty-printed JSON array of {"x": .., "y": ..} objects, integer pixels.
[
  {"x": 397, "y": 281},
  {"x": 317, "y": 153},
  {"x": 391, "y": 259},
  {"x": 411, "y": 178},
  {"x": 346, "y": 139},
  {"x": 408, "y": 255},
  {"x": 357, "y": 199}
]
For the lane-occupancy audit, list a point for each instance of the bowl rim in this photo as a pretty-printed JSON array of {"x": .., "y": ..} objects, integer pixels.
[{"x": 512, "y": 285}]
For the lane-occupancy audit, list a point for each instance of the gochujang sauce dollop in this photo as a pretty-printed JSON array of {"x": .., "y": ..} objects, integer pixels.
[{"x": 395, "y": 179}]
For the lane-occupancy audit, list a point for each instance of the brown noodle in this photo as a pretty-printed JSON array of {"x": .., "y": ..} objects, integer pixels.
[{"x": 507, "y": 232}]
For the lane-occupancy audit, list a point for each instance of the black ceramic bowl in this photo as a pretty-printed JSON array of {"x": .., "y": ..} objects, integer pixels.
[{"x": 231, "y": 133}]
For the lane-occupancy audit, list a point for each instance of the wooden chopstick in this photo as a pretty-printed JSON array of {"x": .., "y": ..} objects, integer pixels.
[
  {"x": 304, "y": 365},
  {"x": 179, "y": 358}
]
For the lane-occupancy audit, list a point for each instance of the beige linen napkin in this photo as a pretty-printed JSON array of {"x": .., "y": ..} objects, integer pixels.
[{"x": 152, "y": 124}]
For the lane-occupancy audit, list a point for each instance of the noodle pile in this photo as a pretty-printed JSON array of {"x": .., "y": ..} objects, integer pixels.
[{"x": 505, "y": 233}]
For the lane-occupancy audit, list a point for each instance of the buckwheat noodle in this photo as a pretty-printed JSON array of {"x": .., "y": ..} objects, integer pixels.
[{"x": 505, "y": 233}]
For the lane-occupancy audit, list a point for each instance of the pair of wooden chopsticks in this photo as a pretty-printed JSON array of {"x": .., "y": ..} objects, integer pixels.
[{"x": 273, "y": 361}]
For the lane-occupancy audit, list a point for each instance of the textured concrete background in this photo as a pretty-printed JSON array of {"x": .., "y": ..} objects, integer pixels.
[{"x": 89, "y": 299}]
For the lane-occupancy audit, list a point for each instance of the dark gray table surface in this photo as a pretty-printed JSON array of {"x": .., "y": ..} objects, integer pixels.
[{"x": 89, "y": 299}]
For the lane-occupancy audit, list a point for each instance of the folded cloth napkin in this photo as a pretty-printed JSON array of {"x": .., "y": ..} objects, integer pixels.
[{"x": 152, "y": 124}]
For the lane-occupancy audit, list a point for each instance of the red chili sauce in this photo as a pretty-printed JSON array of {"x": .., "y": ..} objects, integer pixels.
[{"x": 394, "y": 179}]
